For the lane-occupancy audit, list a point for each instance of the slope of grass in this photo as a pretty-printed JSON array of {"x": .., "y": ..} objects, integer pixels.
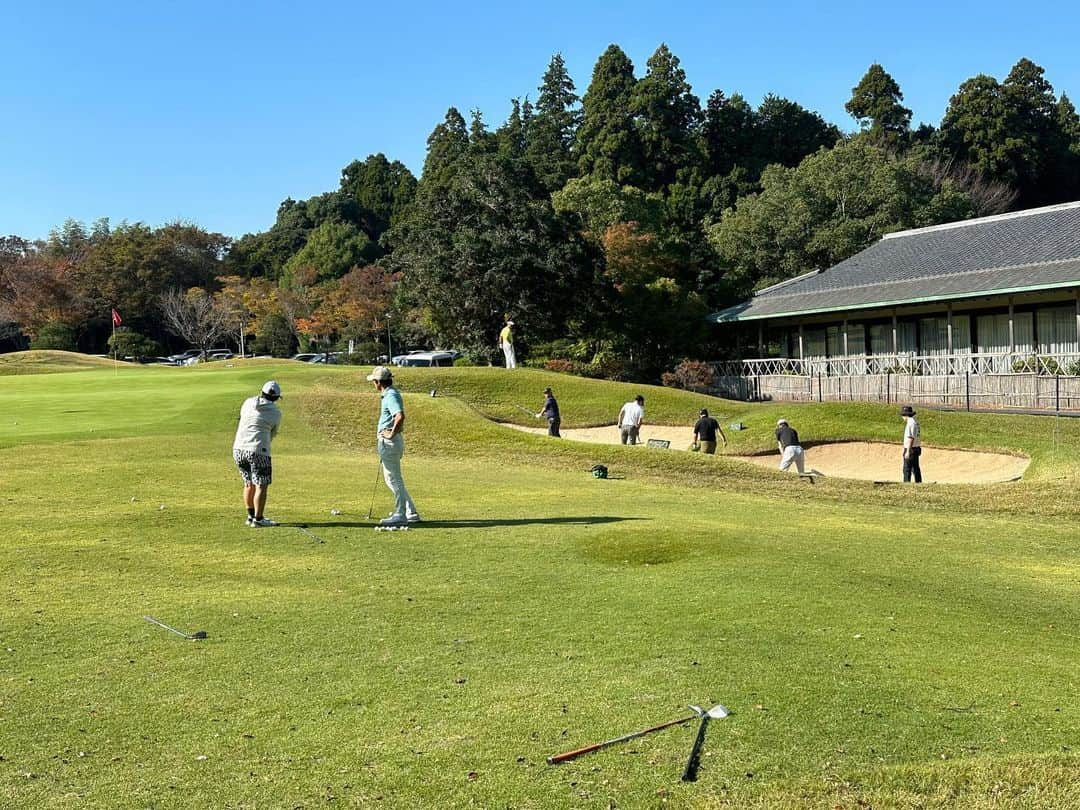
[
  {"x": 887, "y": 647},
  {"x": 40, "y": 361}
]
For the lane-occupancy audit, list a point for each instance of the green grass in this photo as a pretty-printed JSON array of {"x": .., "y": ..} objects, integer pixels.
[{"x": 878, "y": 645}]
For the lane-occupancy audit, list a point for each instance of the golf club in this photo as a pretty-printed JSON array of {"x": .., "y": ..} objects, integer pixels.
[
  {"x": 374, "y": 487},
  {"x": 555, "y": 760},
  {"x": 526, "y": 410},
  {"x": 190, "y": 636},
  {"x": 717, "y": 711},
  {"x": 303, "y": 527}
]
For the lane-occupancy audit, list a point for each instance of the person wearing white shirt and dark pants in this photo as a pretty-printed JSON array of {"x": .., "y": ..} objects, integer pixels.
[
  {"x": 912, "y": 446},
  {"x": 630, "y": 417}
]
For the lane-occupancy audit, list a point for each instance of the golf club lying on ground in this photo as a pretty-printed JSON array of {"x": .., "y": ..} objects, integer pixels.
[
  {"x": 190, "y": 636},
  {"x": 698, "y": 712},
  {"x": 719, "y": 712},
  {"x": 303, "y": 527}
]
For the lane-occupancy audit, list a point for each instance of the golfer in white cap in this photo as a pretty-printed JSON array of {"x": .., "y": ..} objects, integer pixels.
[
  {"x": 391, "y": 447},
  {"x": 260, "y": 418},
  {"x": 790, "y": 449}
]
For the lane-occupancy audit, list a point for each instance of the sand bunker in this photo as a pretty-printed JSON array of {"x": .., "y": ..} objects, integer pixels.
[{"x": 866, "y": 461}]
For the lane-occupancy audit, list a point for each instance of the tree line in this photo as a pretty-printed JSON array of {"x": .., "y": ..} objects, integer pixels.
[{"x": 606, "y": 224}]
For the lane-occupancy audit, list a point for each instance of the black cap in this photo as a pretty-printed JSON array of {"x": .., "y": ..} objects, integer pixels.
[
  {"x": 548, "y": 390},
  {"x": 906, "y": 411},
  {"x": 703, "y": 412}
]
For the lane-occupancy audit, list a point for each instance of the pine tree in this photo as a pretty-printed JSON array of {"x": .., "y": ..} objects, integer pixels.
[
  {"x": 667, "y": 115},
  {"x": 552, "y": 127},
  {"x": 728, "y": 133},
  {"x": 607, "y": 143},
  {"x": 875, "y": 104},
  {"x": 447, "y": 143}
]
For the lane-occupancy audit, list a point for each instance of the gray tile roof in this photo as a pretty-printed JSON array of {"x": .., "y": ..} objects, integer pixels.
[{"x": 1026, "y": 250}]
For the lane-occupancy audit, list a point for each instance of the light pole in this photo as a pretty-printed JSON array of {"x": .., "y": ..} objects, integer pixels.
[{"x": 389, "y": 349}]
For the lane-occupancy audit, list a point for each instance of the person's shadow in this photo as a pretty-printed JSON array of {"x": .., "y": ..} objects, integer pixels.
[{"x": 477, "y": 523}]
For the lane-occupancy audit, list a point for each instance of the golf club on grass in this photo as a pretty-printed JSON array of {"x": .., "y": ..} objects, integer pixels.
[
  {"x": 555, "y": 760},
  {"x": 190, "y": 636},
  {"x": 717, "y": 711},
  {"x": 303, "y": 527}
]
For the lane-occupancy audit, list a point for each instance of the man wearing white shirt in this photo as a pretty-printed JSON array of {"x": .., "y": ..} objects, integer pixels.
[{"x": 630, "y": 418}]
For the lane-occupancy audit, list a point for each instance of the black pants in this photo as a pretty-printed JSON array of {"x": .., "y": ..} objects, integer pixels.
[
  {"x": 911, "y": 465},
  {"x": 553, "y": 428}
]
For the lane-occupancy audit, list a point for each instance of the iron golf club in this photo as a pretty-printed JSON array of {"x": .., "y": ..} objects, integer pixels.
[
  {"x": 190, "y": 636},
  {"x": 719, "y": 712},
  {"x": 375, "y": 486},
  {"x": 526, "y": 410},
  {"x": 564, "y": 757}
]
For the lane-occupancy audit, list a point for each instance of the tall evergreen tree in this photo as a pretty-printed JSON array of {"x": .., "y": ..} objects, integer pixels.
[
  {"x": 975, "y": 128},
  {"x": 447, "y": 143},
  {"x": 380, "y": 189},
  {"x": 786, "y": 132},
  {"x": 1029, "y": 108},
  {"x": 875, "y": 104},
  {"x": 552, "y": 127},
  {"x": 607, "y": 143},
  {"x": 668, "y": 115},
  {"x": 728, "y": 132}
]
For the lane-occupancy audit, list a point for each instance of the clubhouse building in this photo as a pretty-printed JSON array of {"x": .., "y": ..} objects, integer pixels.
[{"x": 984, "y": 312}]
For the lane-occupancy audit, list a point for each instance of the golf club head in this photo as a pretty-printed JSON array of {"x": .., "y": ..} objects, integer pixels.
[
  {"x": 198, "y": 634},
  {"x": 717, "y": 712}
]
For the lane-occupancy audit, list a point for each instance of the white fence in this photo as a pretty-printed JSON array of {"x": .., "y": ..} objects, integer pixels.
[{"x": 1013, "y": 381}]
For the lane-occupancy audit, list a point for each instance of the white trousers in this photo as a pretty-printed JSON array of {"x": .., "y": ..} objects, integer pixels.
[
  {"x": 390, "y": 453},
  {"x": 793, "y": 453},
  {"x": 511, "y": 358}
]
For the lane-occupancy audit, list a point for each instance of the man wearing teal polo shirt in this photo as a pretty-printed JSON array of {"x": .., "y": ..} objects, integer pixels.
[{"x": 391, "y": 446}]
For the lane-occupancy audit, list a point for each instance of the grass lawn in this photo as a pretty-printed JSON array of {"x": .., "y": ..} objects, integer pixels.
[{"x": 877, "y": 646}]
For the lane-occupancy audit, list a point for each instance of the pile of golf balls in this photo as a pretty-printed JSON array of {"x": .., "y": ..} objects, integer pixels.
[{"x": 391, "y": 528}]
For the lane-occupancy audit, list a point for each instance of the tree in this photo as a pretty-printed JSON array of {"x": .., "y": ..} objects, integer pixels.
[
  {"x": 728, "y": 133},
  {"x": 607, "y": 142},
  {"x": 446, "y": 144},
  {"x": 875, "y": 104},
  {"x": 331, "y": 249},
  {"x": 550, "y": 130},
  {"x": 667, "y": 116},
  {"x": 480, "y": 245},
  {"x": 786, "y": 132},
  {"x": 194, "y": 316},
  {"x": 381, "y": 191},
  {"x": 834, "y": 204}
]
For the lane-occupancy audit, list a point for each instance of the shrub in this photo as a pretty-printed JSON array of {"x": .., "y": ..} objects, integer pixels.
[
  {"x": 1036, "y": 364},
  {"x": 126, "y": 343},
  {"x": 560, "y": 365},
  {"x": 55, "y": 335},
  {"x": 691, "y": 375}
]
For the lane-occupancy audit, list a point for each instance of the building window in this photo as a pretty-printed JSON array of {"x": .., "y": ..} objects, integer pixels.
[
  {"x": 994, "y": 333},
  {"x": 1057, "y": 330}
]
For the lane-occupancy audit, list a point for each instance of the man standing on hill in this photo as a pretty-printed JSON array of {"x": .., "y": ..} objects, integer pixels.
[
  {"x": 705, "y": 431},
  {"x": 790, "y": 449},
  {"x": 630, "y": 418},
  {"x": 912, "y": 446},
  {"x": 391, "y": 447},
  {"x": 259, "y": 421},
  {"x": 506, "y": 343},
  {"x": 551, "y": 412}
]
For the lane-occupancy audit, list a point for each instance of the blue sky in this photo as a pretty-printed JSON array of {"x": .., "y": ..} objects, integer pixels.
[{"x": 215, "y": 112}]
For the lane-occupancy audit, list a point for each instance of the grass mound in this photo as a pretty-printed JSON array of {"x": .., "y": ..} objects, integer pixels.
[{"x": 48, "y": 361}]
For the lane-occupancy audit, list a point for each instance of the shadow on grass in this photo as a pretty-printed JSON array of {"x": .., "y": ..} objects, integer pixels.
[{"x": 478, "y": 523}]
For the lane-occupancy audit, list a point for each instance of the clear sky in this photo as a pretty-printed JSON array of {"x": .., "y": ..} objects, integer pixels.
[{"x": 214, "y": 112}]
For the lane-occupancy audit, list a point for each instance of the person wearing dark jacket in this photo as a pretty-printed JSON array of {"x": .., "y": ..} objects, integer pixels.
[
  {"x": 791, "y": 451},
  {"x": 551, "y": 413},
  {"x": 705, "y": 431}
]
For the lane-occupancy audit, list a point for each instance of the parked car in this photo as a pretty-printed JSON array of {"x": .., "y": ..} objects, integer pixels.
[
  {"x": 219, "y": 354},
  {"x": 305, "y": 357},
  {"x": 425, "y": 359},
  {"x": 184, "y": 357}
]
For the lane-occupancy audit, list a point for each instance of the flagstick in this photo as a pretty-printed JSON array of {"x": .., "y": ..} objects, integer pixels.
[{"x": 116, "y": 371}]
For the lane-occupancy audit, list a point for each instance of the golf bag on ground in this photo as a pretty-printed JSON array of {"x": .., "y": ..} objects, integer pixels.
[{"x": 599, "y": 471}]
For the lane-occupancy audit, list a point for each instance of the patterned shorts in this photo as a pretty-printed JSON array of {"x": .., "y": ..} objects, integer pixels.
[{"x": 255, "y": 468}]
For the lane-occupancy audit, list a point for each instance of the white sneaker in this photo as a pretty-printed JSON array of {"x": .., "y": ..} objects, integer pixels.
[
  {"x": 249, "y": 520},
  {"x": 394, "y": 520},
  {"x": 258, "y": 523},
  {"x": 413, "y": 518}
]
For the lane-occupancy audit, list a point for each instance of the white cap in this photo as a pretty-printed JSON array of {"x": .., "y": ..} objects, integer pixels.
[
  {"x": 780, "y": 422},
  {"x": 380, "y": 374},
  {"x": 271, "y": 389}
]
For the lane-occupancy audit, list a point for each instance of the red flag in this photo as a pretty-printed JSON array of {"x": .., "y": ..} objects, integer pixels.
[{"x": 116, "y": 319}]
